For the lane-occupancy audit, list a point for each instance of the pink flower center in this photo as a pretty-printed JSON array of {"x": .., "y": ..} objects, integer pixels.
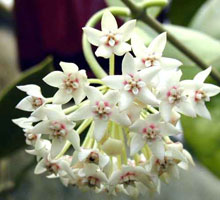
[
  {"x": 93, "y": 181},
  {"x": 52, "y": 167},
  {"x": 58, "y": 129},
  {"x": 200, "y": 96},
  {"x": 151, "y": 132},
  {"x": 93, "y": 158},
  {"x": 102, "y": 110},
  {"x": 37, "y": 102},
  {"x": 133, "y": 84},
  {"x": 174, "y": 94},
  {"x": 128, "y": 178},
  {"x": 71, "y": 83}
]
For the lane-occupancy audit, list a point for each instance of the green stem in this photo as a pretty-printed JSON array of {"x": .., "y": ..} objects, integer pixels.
[
  {"x": 97, "y": 81},
  {"x": 112, "y": 65},
  {"x": 153, "y": 3},
  {"x": 87, "y": 49},
  {"x": 140, "y": 14}
]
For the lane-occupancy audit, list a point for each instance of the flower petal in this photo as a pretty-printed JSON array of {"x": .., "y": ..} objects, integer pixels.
[
  {"x": 61, "y": 97},
  {"x": 128, "y": 65},
  {"x": 83, "y": 112},
  {"x": 138, "y": 47},
  {"x": 93, "y": 94},
  {"x": 121, "y": 118},
  {"x": 103, "y": 160},
  {"x": 168, "y": 129},
  {"x": 148, "y": 74},
  {"x": 158, "y": 44},
  {"x": 69, "y": 67},
  {"x": 125, "y": 100},
  {"x": 147, "y": 97},
  {"x": 165, "y": 109},
  {"x": 31, "y": 90},
  {"x": 99, "y": 129},
  {"x": 26, "y": 104},
  {"x": 93, "y": 35},
  {"x": 112, "y": 97},
  {"x": 186, "y": 108},
  {"x": 201, "y": 76},
  {"x": 138, "y": 126},
  {"x": 103, "y": 51},
  {"x": 40, "y": 168},
  {"x": 157, "y": 148},
  {"x": 57, "y": 146},
  {"x": 108, "y": 22},
  {"x": 82, "y": 155},
  {"x": 210, "y": 89},
  {"x": 126, "y": 29},
  {"x": 202, "y": 110},
  {"x": 137, "y": 143},
  {"x": 169, "y": 63},
  {"x": 73, "y": 137},
  {"x": 42, "y": 128},
  {"x": 121, "y": 48},
  {"x": 78, "y": 95},
  {"x": 54, "y": 79},
  {"x": 114, "y": 82}
]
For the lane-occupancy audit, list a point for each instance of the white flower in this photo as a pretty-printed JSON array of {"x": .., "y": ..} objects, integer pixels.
[
  {"x": 132, "y": 178},
  {"x": 173, "y": 96},
  {"x": 34, "y": 101},
  {"x": 92, "y": 177},
  {"x": 71, "y": 83},
  {"x": 151, "y": 131},
  {"x": 59, "y": 129},
  {"x": 152, "y": 56},
  {"x": 132, "y": 84},
  {"x": 93, "y": 156},
  {"x": 102, "y": 108},
  {"x": 201, "y": 92},
  {"x": 111, "y": 40},
  {"x": 58, "y": 167}
]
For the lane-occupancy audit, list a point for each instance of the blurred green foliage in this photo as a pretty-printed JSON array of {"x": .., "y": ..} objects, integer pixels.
[
  {"x": 182, "y": 11},
  {"x": 12, "y": 136}
]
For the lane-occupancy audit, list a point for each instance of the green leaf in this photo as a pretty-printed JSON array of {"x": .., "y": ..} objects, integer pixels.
[
  {"x": 207, "y": 19},
  {"x": 12, "y": 136},
  {"x": 203, "y": 136},
  {"x": 182, "y": 11}
]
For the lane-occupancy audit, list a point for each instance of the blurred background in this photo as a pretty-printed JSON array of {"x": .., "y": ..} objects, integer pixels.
[{"x": 35, "y": 35}]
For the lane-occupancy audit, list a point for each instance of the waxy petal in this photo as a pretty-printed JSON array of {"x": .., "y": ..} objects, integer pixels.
[
  {"x": 57, "y": 146},
  {"x": 83, "y": 112},
  {"x": 61, "y": 97},
  {"x": 138, "y": 47},
  {"x": 202, "y": 110},
  {"x": 126, "y": 29},
  {"x": 108, "y": 22},
  {"x": 26, "y": 104},
  {"x": 31, "y": 90},
  {"x": 169, "y": 63},
  {"x": 40, "y": 168},
  {"x": 168, "y": 129},
  {"x": 42, "y": 128},
  {"x": 121, "y": 48},
  {"x": 54, "y": 79},
  {"x": 93, "y": 94},
  {"x": 93, "y": 35},
  {"x": 147, "y": 97},
  {"x": 125, "y": 100},
  {"x": 112, "y": 97},
  {"x": 165, "y": 109},
  {"x": 158, "y": 44},
  {"x": 157, "y": 148},
  {"x": 104, "y": 51},
  {"x": 201, "y": 76},
  {"x": 69, "y": 67},
  {"x": 186, "y": 108},
  {"x": 99, "y": 129},
  {"x": 114, "y": 81},
  {"x": 128, "y": 65},
  {"x": 78, "y": 95},
  {"x": 73, "y": 137},
  {"x": 210, "y": 89},
  {"x": 137, "y": 143},
  {"x": 148, "y": 74},
  {"x": 120, "y": 118}
]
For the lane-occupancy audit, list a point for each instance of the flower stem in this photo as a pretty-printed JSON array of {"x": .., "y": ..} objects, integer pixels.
[
  {"x": 97, "y": 81},
  {"x": 112, "y": 65},
  {"x": 88, "y": 138},
  {"x": 141, "y": 14}
]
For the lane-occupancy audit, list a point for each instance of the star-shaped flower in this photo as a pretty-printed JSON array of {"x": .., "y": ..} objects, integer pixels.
[
  {"x": 111, "y": 40},
  {"x": 34, "y": 102},
  {"x": 71, "y": 83},
  {"x": 102, "y": 108},
  {"x": 201, "y": 92},
  {"x": 132, "y": 84},
  {"x": 60, "y": 129},
  {"x": 173, "y": 96},
  {"x": 150, "y": 131},
  {"x": 152, "y": 55}
]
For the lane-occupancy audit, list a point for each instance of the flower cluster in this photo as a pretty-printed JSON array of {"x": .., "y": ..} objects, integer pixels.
[{"x": 128, "y": 118}]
